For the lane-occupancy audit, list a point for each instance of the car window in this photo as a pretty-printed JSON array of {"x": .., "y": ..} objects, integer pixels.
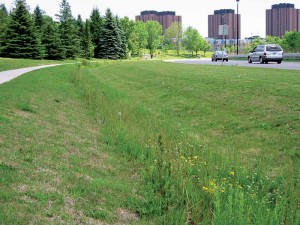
[
  {"x": 273, "y": 48},
  {"x": 259, "y": 49}
]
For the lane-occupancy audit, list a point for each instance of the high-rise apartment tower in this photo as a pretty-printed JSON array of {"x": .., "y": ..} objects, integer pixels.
[
  {"x": 222, "y": 17},
  {"x": 281, "y": 18},
  {"x": 165, "y": 18}
]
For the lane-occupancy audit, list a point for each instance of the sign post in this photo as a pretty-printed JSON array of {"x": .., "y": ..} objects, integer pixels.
[{"x": 223, "y": 30}]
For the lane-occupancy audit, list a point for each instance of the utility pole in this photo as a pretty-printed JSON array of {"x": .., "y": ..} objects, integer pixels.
[{"x": 237, "y": 27}]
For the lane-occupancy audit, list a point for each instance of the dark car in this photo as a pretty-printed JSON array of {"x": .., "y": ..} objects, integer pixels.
[{"x": 219, "y": 55}]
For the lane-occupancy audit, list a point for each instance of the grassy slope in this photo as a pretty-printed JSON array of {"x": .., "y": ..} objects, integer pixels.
[
  {"x": 53, "y": 168},
  {"x": 237, "y": 115}
]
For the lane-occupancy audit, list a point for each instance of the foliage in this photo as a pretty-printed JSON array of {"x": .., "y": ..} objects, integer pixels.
[
  {"x": 38, "y": 16},
  {"x": 20, "y": 39},
  {"x": 87, "y": 44},
  {"x": 191, "y": 38},
  {"x": 174, "y": 35},
  {"x": 111, "y": 44},
  {"x": 54, "y": 48},
  {"x": 68, "y": 30},
  {"x": 123, "y": 39},
  {"x": 154, "y": 37},
  {"x": 291, "y": 41},
  {"x": 96, "y": 22},
  {"x": 3, "y": 21},
  {"x": 138, "y": 38},
  {"x": 128, "y": 28}
]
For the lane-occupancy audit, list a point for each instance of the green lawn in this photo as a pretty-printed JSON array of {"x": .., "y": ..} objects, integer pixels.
[
  {"x": 149, "y": 142},
  {"x": 9, "y": 64}
]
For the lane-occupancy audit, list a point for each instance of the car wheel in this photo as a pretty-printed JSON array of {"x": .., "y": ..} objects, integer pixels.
[
  {"x": 216, "y": 60},
  {"x": 226, "y": 60},
  {"x": 249, "y": 60},
  {"x": 279, "y": 62},
  {"x": 261, "y": 60},
  {"x": 212, "y": 60}
]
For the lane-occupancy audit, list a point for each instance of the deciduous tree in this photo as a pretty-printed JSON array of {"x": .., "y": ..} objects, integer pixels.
[
  {"x": 155, "y": 38},
  {"x": 190, "y": 39},
  {"x": 139, "y": 37},
  {"x": 174, "y": 35}
]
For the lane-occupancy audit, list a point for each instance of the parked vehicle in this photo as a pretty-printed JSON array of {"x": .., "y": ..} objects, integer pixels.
[
  {"x": 219, "y": 55},
  {"x": 266, "y": 53}
]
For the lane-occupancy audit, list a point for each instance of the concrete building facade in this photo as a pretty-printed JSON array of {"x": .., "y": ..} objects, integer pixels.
[
  {"x": 281, "y": 18},
  {"x": 221, "y": 17},
  {"x": 165, "y": 18}
]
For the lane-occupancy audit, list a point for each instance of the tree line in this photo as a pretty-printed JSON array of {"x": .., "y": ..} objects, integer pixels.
[{"x": 37, "y": 35}]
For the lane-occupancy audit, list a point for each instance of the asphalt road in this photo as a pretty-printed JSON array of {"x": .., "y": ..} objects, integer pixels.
[
  {"x": 272, "y": 65},
  {"x": 11, "y": 74}
]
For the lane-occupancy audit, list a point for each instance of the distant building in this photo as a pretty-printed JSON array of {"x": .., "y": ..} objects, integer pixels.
[
  {"x": 221, "y": 17},
  {"x": 281, "y": 18},
  {"x": 165, "y": 18}
]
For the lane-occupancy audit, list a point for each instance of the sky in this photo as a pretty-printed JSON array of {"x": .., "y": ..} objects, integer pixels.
[{"x": 194, "y": 12}]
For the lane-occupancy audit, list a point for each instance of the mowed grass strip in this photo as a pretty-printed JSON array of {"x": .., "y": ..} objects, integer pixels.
[
  {"x": 10, "y": 64},
  {"x": 53, "y": 168}
]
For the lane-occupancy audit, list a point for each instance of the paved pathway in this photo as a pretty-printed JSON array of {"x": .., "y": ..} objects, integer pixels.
[{"x": 11, "y": 74}]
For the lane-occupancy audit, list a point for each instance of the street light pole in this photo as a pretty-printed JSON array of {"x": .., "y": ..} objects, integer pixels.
[{"x": 237, "y": 28}]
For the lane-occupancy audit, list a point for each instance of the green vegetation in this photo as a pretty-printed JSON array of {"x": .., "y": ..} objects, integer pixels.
[
  {"x": 211, "y": 145},
  {"x": 9, "y": 64},
  {"x": 165, "y": 143},
  {"x": 54, "y": 168}
]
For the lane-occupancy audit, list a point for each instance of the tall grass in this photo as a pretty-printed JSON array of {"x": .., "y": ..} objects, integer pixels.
[{"x": 208, "y": 145}]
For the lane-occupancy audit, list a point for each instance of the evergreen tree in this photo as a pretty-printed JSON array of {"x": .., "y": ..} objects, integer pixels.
[
  {"x": 20, "y": 39},
  {"x": 38, "y": 19},
  {"x": 52, "y": 42},
  {"x": 67, "y": 30},
  {"x": 87, "y": 44},
  {"x": 110, "y": 42},
  {"x": 3, "y": 22},
  {"x": 80, "y": 34},
  {"x": 96, "y": 22},
  {"x": 123, "y": 43}
]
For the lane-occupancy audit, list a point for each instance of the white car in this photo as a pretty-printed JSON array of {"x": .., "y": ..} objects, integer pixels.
[
  {"x": 219, "y": 55},
  {"x": 266, "y": 53}
]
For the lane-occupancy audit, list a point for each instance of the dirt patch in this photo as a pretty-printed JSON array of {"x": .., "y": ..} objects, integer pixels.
[{"x": 126, "y": 216}]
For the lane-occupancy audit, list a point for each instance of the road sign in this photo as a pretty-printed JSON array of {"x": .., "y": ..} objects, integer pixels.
[{"x": 223, "y": 29}]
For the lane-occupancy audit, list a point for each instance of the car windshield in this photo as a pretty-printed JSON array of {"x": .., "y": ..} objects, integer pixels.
[{"x": 273, "y": 48}]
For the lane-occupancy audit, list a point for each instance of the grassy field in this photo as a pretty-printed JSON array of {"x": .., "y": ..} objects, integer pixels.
[{"x": 150, "y": 142}]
